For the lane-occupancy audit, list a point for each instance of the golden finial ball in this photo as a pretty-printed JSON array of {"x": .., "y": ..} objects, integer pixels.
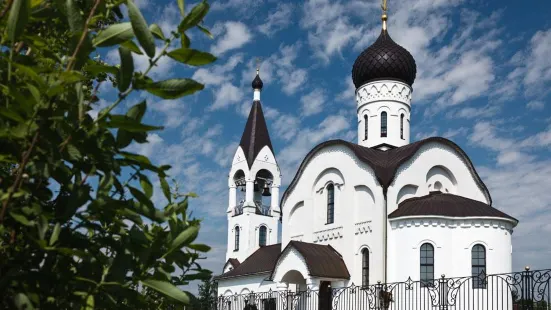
[
  {"x": 384, "y": 17},
  {"x": 527, "y": 268}
]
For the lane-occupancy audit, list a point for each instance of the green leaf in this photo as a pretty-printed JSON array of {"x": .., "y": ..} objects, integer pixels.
[
  {"x": 146, "y": 186},
  {"x": 74, "y": 153},
  {"x": 132, "y": 46},
  {"x": 157, "y": 31},
  {"x": 90, "y": 302},
  {"x": 114, "y": 34},
  {"x": 18, "y": 18},
  {"x": 191, "y": 57},
  {"x": 137, "y": 111},
  {"x": 139, "y": 25},
  {"x": 181, "y": 6},
  {"x": 69, "y": 77},
  {"x": 11, "y": 114},
  {"x": 194, "y": 17},
  {"x": 126, "y": 123},
  {"x": 55, "y": 234},
  {"x": 168, "y": 290},
  {"x": 166, "y": 189},
  {"x": 143, "y": 199},
  {"x": 185, "y": 41},
  {"x": 21, "y": 219},
  {"x": 23, "y": 302},
  {"x": 199, "y": 247},
  {"x": 174, "y": 88},
  {"x": 205, "y": 31},
  {"x": 100, "y": 68},
  {"x": 184, "y": 238},
  {"x": 126, "y": 70},
  {"x": 76, "y": 23}
]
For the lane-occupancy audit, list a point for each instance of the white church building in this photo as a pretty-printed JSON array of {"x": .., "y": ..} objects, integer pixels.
[{"x": 382, "y": 209}]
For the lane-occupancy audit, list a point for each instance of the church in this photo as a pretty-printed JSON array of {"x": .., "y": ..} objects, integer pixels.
[{"x": 382, "y": 210}]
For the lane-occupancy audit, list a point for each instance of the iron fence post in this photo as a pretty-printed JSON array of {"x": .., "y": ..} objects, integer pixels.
[{"x": 443, "y": 292}]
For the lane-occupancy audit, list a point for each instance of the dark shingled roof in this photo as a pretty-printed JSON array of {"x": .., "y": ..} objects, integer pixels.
[
  {"x": 443, "y": 204},
  {"x": 261, "y": 261},
  {"x": 322, "y": 260},
  {"x": 385, "y": 59},
  {"x": 255, "y": 136},
  {"x": 233, "y": 261},
  {"x": 385, "y": 164}
]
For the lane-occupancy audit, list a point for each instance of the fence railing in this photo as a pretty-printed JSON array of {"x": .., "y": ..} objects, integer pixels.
[{"x": 526, "y": 290}]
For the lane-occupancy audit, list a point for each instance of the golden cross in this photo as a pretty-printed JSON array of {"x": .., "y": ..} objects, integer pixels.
[
  {"x": 383, "y": 6},
  {"x": 257, "y": 64}
]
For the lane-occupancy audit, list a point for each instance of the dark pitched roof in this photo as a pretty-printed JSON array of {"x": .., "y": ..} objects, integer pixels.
[
  {"x": 385, "y": 164},
  {"x": 443, "y": 204},
  {"x": 384, "y": 59},
  {"x": 261, "y": 261},
  {"x": 321, "y": 260},
  {"x": 255, "y": 136},
  {"x": 234, "y": 262}
]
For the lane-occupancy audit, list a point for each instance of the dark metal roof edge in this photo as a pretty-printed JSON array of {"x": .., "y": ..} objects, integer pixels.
[
  {"x": 347, "y": 144},
  {"x": 222, "y": 277}
]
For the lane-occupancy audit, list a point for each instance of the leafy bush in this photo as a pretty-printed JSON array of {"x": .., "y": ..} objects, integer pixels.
[{"x": 78, "y": 226}]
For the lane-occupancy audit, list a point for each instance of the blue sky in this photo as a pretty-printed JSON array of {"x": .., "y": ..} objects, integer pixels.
[{"x": 484, "y": 77}]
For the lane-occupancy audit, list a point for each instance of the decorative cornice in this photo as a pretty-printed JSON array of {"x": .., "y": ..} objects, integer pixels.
[
  {"x": 449, "y": 222},
  {"x": 328, "y": 234},
  {"x": 383, "y": 91},
  {"x": 362, "y": 227}
]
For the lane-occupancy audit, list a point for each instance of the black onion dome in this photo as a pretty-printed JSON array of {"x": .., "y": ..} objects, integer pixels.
[
  {"x": 257, "y": 82},
  {"x": 385, "y": 59}
]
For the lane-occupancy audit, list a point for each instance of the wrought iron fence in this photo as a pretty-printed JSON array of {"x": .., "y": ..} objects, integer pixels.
[{"x": 527, "y": 290}]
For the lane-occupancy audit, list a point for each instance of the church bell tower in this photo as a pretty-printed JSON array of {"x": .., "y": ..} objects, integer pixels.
[{"x": 253, "y": 209}]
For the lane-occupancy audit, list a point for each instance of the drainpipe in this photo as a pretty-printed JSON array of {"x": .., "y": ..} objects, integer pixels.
[{"x": 385, "y": 236}]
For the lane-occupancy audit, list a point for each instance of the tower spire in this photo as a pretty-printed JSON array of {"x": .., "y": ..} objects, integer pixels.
[{"x": 384, "y": 17}]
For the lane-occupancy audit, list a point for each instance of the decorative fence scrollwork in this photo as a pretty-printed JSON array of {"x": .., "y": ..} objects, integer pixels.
[{"x": 526, "y": 290}]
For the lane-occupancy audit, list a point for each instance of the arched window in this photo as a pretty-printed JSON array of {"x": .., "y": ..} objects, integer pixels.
[
  {"x": 427, "y": 265},
  {"x": 478, "y": 266},
  {"x": 365, "y": 127},
  {"x": 262, "y": 236},
  {"x": 236, "y": 238},
  {"x": 330, "y": 203},
  {"x": 365, "y": 267},
  {"x": 402, "y": 126},
  {"x": 383, "y": 124}
]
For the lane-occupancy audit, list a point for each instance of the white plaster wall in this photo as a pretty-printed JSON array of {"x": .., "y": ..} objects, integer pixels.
[
  {"x": 453, "y": 240},
  {"x": 372, "y": 99},
  {"x": 414, "y": 172},
  {"x": 249, "y": 284},
  {"x": 339, "y": 165}
]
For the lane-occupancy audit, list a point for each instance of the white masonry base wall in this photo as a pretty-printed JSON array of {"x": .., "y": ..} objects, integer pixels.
[{"x": 453, "y": 240}]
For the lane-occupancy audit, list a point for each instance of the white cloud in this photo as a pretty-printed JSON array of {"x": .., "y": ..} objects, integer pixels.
[
  {"x": 478, "y": 113},
  {"x": 291, "y": 154},
  {"x": 227, "y": 94},
  {"x": 535, "y": 105},
  {"x": 280, "y": 68},
  {"x": 236, "y": 34},
  {"x": 277, "y": 20},
  {"x": 312, "y": 103},
  {"x": 286, "y": 125},
  {"x": 217, "y": 74}
]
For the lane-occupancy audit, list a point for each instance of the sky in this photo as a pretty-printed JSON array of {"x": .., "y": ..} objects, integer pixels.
[{"x": 483, "y": 81}]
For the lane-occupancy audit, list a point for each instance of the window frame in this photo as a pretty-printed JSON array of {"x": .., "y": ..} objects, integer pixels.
[
  {"x": 365, "y": 267},
  {"x": 366, "y": 128},
  {"x": 426, "y": 248},
  {"x": 330, "y": 203},
  {"x": 237, "y": 236},
  {"x": 479, "y": 283},
  {"x": 402, "y": 116},
  {"x": 260, "y": 229},
  {"x": 384, "y": 124}
]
